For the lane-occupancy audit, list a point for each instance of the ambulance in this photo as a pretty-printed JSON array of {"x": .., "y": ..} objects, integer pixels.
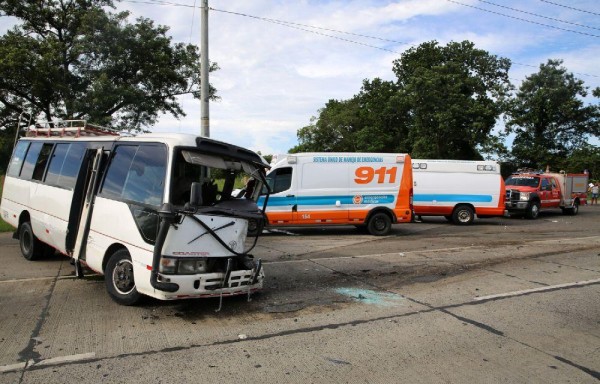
[
  {"x": 368, "y": 190},
  {"x": 457, "y": 189}
]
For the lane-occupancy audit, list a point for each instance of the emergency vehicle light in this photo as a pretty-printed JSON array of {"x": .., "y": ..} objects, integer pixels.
[
  {"x": 400, "y": 159},
  {"x": 486, "y": 168},
  {"x": 291, "y": 159}
]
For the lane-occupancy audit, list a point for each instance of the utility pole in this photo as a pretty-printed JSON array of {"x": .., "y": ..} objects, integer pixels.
[{"x": 204, "y": 115}]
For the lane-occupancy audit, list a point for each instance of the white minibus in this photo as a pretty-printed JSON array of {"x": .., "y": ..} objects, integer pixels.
[{"x": 154, "y": 213}]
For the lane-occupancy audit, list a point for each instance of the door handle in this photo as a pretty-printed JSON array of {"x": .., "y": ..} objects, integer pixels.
[{"x": 290, "y": 195}]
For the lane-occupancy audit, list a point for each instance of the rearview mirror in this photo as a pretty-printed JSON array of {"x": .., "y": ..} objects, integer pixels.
[{"x": 196, "y": 194}]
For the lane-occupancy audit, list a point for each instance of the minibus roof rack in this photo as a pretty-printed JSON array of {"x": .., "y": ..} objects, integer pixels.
[{"x": 75, "y": 128}]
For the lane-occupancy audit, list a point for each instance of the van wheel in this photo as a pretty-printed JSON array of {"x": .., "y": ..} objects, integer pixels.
[
  {"x": 463, "y": 215},
  {"x": 379, "y": 224},
  {"x": 31, "y": 247},
  {"x": 119, "y": 280},
  {"x": 533, "y": 210}
]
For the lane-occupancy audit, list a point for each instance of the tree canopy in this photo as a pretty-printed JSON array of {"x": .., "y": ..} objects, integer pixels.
[
  {"x": 73, "y": 59},
  {"x": 549, "y": 118},
  {"x": 444, "y": 104}
]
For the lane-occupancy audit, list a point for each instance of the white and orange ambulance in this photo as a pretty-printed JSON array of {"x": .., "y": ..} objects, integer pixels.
[
  {"x": 458, "y": 189},
  {"x": 368, "y": 190}
]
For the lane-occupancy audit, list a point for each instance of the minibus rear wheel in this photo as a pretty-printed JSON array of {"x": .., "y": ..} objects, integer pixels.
[
  {"x": 119, "y": 280},
  {"x": 31, "y": 247}
]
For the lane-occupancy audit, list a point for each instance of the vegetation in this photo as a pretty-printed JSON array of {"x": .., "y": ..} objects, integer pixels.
[
  {"x": 72, "y": 59},
  {"x": 446, "y": 102}
]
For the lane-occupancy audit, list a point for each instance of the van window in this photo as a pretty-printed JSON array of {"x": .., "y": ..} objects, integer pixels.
[
  {"x": 280, "y": 179},
  {"x": 14, "y": 169},
  {"x": 545, "y": 185},
  {"x": 64, "y": 165},
  {"x": 137, "y": 173},
  {"x": 31, "y": 160},
  {"x": 42, "y": 161}
]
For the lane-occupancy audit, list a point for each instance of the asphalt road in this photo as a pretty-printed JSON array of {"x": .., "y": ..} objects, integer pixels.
[{"x": 504, "y": 300}]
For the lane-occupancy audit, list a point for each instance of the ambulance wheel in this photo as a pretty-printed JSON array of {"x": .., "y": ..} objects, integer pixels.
[
  {"x": 463, "y": 215},
  {"x": 379, "y": 224},
  {"x": 119, "y": 280},
  {"x": 31, "y": 247},
  {"x": 533, "y": 211}
]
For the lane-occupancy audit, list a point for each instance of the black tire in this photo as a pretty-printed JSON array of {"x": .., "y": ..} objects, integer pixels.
[
  {"x": 119, "y": 280},
  {"x": 463, "y": 215},
  {"x": 31, "y": 247},
  {"x": 533, "y": 210},
  {"x": 573, "y": 210},
  {"x": 379, "y": 224}
]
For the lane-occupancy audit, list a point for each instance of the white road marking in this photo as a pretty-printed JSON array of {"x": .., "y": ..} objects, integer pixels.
[
  {"x": 63, "y": 359},
  {"x": 540, "y": 289},
  {"x": 12, "y": 367}
]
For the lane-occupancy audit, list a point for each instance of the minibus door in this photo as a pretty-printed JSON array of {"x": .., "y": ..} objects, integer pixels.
[{"x": 92, "y": 162}]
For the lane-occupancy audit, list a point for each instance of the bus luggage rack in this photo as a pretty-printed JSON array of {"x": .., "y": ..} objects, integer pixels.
[{"x": 75, "y": 128}]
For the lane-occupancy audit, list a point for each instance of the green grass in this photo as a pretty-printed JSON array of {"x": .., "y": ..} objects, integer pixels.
[{"x": 4, "y": 227}]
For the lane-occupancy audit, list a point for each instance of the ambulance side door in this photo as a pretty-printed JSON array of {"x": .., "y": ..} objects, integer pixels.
[{"x": 282, "y": 208}]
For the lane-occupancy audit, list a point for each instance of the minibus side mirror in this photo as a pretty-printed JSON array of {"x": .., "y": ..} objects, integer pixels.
[{"x": 196, "y": 194}]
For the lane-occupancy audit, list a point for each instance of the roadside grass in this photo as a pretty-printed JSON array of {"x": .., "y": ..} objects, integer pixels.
[{"x": 4, "y": 227}]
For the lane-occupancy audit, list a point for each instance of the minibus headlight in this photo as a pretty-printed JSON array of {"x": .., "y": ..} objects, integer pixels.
[
  {"x": 167, "y": 266},
  {"x": 524, "y": 196},
  {"x": 186, "y": 267},
  {"x": 200, "y": 266}
]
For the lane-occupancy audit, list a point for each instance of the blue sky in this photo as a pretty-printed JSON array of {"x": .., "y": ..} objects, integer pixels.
[{"x": 273, "y": 78}]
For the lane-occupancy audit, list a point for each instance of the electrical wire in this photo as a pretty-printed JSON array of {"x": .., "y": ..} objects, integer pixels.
[
  {"x": 575, "y": 9},
  {"x": 538, "y": 15},
  {"x": 521, "y": 19}
]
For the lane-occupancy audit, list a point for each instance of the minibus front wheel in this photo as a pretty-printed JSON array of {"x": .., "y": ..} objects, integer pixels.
[{"x": 119, "y": 279}]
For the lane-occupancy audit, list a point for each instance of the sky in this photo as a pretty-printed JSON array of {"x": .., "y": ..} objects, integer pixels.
[{"x": 277, "y": 70}]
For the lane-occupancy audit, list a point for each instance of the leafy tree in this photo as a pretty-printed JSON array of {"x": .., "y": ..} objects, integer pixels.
[
  {"x": 73, "y": 59},
  {"x": 549, "y": 118},
  {"x": 444, "y": 104},
  {"x": 456, "y": 93}
]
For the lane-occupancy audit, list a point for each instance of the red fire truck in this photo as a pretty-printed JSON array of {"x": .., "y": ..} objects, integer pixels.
[{"x": 528, "y": 192}]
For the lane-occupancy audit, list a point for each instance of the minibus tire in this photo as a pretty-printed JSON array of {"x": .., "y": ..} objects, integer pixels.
[
  {"x": 463, "y": 215},
  {"x": 119, "y": 279},
  {"x": 379, "y": 224},
  {"x": 31, "y": 247}
]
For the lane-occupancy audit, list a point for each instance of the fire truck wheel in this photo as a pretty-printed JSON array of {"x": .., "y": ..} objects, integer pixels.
[
  {"x": 31, "y": 247},
  {"x": 463, "y": 214},
  {"x": 533, "y": 210},
  {"x": 379, "y": 224},
  {"x": 571, "y": 211},
  {"x": 119, "y": 280}
]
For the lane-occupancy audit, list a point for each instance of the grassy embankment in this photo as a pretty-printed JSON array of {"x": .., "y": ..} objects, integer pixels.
[{"x": 4, "y": 227}]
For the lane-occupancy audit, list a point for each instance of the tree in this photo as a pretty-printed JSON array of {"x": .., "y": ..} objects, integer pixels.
[
  {"x": 444, "y": 104},
  {"x": 456, "y": 93},
  {"x": 72, "y": 59},
  {"x": 549, "y": 118}
]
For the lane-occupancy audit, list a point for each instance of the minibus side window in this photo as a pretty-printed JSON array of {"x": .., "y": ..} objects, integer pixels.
[
  {"x": 71, "y": 165},
  {"x": 56, "y": 163},
  {"x": 137, "y": 173},
  {"x": 31, "y": 160},
  {"x": 146, "y": 178},
  {"x": 14, "y": 169},
  {"x": 42, "y": 161}
]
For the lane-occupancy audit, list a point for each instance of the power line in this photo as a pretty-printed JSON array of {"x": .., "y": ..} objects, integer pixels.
[
  {"x": 575, "y": 9},
  {"x": 298, "y": 26},
  {"x": 295, "y": 26},
  {"x": 521, "y": 19},
  {"x": 538, "y": 15}
]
